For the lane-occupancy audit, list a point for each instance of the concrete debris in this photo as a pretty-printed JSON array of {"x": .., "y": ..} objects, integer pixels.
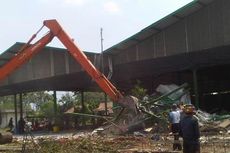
[
  {"x": 139, "y": 134},
  {"x": 148, "y": 129},
  {"x": 225, "y": 123},
  {"x": 98, "y": 131},
  {"x": 203, "y": 116},
  {"x": 6, "y": 137}
]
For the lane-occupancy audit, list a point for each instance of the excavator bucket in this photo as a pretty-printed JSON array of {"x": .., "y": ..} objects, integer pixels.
[
  {"x": 128, "y": 115},
  {"x": 130, "y": 103}
]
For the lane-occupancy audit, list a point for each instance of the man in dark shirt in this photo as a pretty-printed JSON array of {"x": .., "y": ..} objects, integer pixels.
[{"x": 189, "y": 130}]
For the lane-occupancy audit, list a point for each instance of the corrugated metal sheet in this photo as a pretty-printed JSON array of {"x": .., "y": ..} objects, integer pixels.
[
  {"x": 13, "y": 50},
  {"x": 159, "y": 25},
  {"x": 143, "y": 34},
  {"x": 9, "y": 53}
]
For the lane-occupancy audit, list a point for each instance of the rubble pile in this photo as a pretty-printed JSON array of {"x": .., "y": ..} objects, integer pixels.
[
  {"x": 151, "y": 109},
  {"x": 136, "y": 143},
  {"x": 155, "y": 108},
  {"x": 87, "y": 143},
  {"x": 212, "y": 123},
  {"x": 173, "y": 94}
]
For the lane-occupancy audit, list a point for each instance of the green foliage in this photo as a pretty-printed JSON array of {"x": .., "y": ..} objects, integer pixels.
[
  {"x": 92, "y": 99},
  {"x": 37, "y": 99},
  {"x": 7, "y": 102},
  {"x": 67, "y": 99},
  {"x": 138, "y": 91},
  {"x": 43, "y": 103},
  {"x": 47, "y": 109}
]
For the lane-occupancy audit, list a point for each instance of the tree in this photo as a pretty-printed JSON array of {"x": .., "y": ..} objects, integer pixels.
[
  {"x": 138, "y": 91},
  {"x": 37, "y": 99},
  {"x": 7, "y": 102},
  {"x": 47, "y": 109},
  {"x": 92, "y": 99},
  {"x": 67, "y": 101}
]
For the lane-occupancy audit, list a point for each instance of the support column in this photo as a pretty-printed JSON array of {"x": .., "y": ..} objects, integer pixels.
[
  {"x": 195, "y": 87},
  {"x": 106, "y": 106},
  {"x": 55, "y": 103},
  {"x": 82, "y": 100},
  {"x": 20, "y": 105},
  {"x": 16, "y": 112},
  {"x": 83, "y": 107}
]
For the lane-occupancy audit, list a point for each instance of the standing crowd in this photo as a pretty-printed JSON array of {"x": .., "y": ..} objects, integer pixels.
[{"x": 21, "y": 126}]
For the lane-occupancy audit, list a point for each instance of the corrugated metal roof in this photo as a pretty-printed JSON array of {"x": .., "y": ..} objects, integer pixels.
[
  {"x": 143, "y": 34},
  {"x": 13, "y": 50},
  {"x": 9, "y": 53},
  {"x": 159, "y": 25}
]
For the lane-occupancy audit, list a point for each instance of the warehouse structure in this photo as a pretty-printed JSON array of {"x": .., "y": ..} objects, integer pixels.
[{"x": 190, "y": 45}]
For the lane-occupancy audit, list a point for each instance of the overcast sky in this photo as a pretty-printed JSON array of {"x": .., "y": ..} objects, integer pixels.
[{"x": 81, "y": 19}]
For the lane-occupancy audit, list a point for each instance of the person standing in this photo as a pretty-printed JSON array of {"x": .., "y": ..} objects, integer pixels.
[
  {"x": 11, "y": 125},
  {"x": 189, "y": 130},
  {"x": 21, "y": 125},
  {"x": 174, "y": 119}
]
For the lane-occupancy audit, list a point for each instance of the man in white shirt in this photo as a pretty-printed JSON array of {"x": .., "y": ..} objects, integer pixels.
[{"x": 174, "y": 119}]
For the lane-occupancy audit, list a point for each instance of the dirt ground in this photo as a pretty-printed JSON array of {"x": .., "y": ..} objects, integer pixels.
[{"x": 86, "y": 143}]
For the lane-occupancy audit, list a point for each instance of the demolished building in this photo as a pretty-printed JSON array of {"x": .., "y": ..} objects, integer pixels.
[{"x": 183, "y": 47}]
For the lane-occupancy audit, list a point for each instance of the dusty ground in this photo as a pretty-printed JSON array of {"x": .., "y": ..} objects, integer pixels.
[{"x": 85, "y": 143}]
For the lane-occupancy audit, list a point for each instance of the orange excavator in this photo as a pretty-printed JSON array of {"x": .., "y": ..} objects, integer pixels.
[{"x": 29, "y": 50}]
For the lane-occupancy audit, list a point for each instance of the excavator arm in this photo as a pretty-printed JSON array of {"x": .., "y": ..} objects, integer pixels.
[{"x": 28, "y": 51}]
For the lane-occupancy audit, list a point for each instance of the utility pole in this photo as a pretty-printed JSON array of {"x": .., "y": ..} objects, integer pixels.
[
  {"x": 102, "y": 60},
  {"x": 102, "y": 68}
]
